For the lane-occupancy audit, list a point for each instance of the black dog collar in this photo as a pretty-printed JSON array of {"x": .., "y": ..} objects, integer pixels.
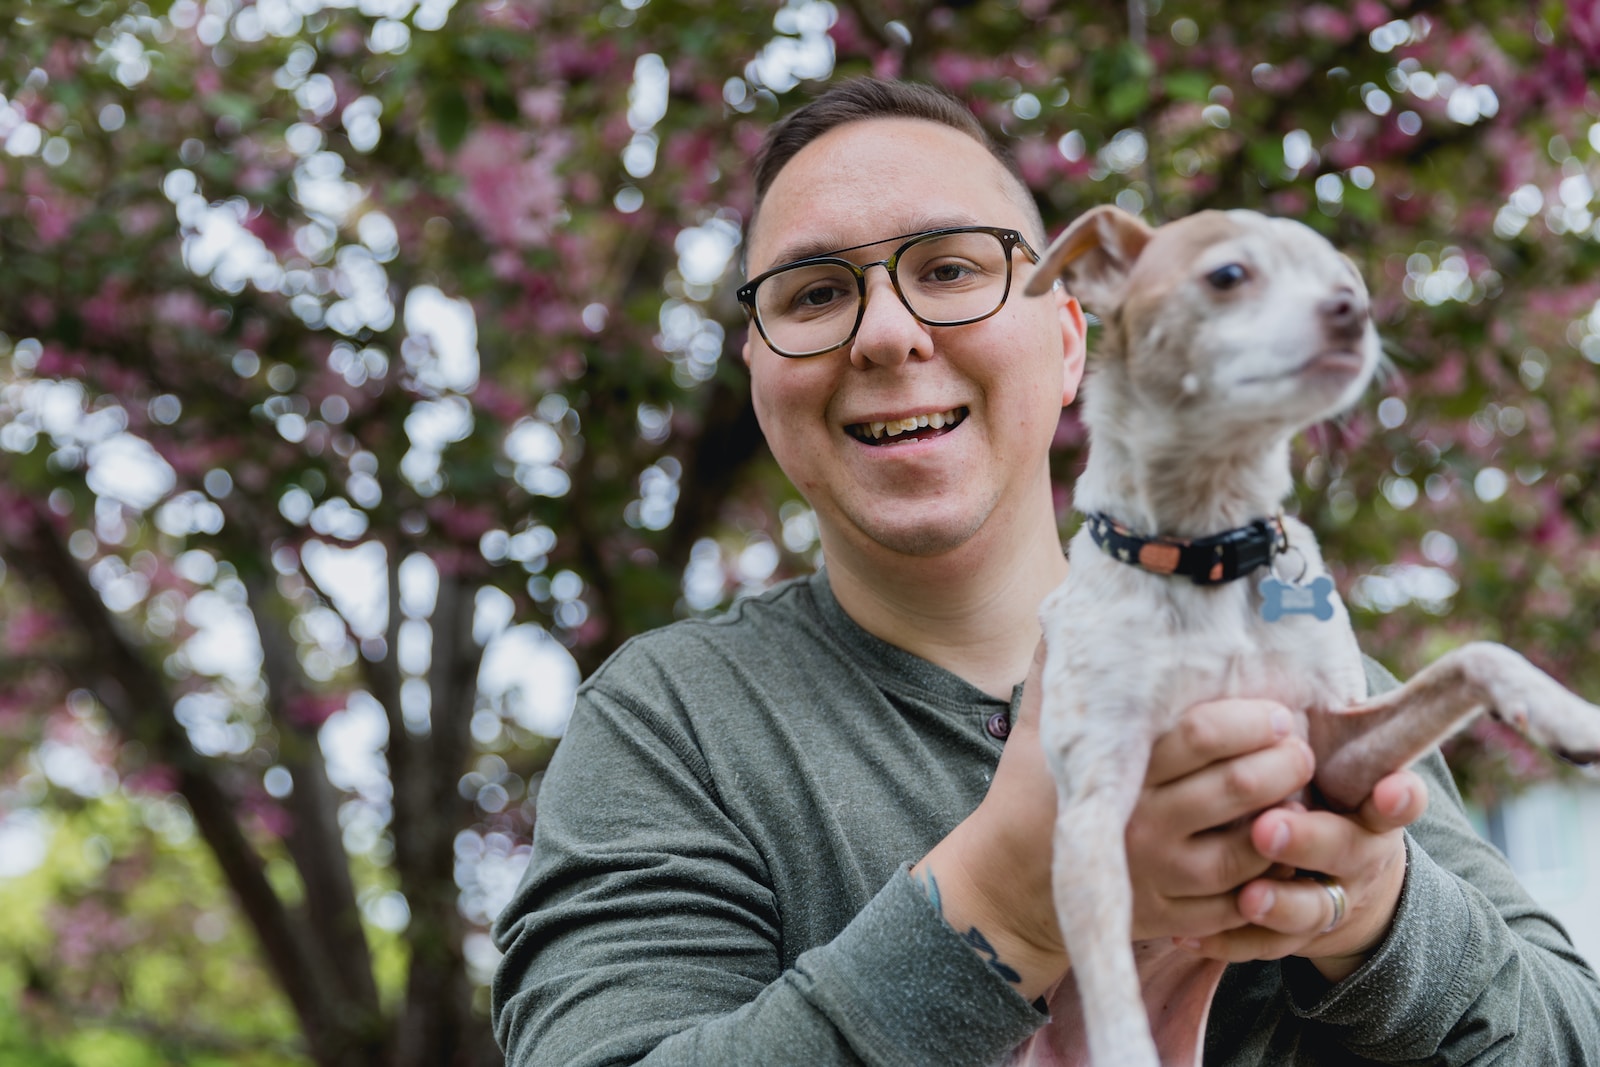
[{"x": 1204, "y": 561}]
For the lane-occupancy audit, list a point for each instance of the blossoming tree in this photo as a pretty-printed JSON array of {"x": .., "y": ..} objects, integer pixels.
[{"x": 370, "y": 371}]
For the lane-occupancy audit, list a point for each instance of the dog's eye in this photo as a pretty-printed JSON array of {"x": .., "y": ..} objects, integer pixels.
[{"x": 1227, "y": 276}]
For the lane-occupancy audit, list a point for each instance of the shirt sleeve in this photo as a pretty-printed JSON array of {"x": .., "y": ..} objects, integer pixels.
[
  {"x": 1472, "y": 972},
  {"x": 645, "y": 931}
]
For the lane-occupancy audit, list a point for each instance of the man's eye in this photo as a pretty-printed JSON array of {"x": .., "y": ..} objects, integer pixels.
[
  {"x": 948, "y": 272},
  {"x": 818, "y": 296},
  {"x": 1227, "y": 276}
]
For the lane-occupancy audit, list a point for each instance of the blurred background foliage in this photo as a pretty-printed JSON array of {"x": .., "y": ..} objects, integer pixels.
[{"x": 370, "y": 370}]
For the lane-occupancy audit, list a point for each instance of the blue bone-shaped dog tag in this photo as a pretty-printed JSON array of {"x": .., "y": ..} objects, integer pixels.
[{"x": 1285, "y": 598}]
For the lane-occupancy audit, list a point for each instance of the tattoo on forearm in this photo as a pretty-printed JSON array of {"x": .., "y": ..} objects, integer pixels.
[{"x": 975, "y": 938}]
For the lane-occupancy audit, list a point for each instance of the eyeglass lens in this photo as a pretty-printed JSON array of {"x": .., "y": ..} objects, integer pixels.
[{"x": 945, "y": 279}]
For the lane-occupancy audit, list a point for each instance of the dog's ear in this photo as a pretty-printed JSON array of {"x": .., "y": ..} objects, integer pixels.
[{"x": 1093, "y": 257}]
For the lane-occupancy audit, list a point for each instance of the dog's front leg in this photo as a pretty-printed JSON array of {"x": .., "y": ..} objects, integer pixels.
[
  {"x": 1357, "y": 747},
  {"x": 1098, "y": 777}
]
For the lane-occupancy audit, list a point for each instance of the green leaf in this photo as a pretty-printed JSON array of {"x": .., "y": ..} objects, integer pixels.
[
  {"x": 1266, "y": 157},
  {"x": 448, "y": 110},
  {"x": 1126, "y": 99},
  {"x": 1188, "y": 85},
  {"x": 230, "y": 105}
]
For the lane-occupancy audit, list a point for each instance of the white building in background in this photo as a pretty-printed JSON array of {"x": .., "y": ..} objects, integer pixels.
[{"x": 1551, "y": 835}]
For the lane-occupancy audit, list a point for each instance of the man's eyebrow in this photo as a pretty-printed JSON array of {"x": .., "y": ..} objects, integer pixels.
[{"x": 826, "y": 244}]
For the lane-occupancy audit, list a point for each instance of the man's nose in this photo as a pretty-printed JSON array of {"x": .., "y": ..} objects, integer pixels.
[{"x": 889, "y": 334}]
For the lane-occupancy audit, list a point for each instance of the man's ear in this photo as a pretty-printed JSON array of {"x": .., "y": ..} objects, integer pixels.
[
  {"x": 1093, "y": 256},
  {"x": 1074, "y": 342}
]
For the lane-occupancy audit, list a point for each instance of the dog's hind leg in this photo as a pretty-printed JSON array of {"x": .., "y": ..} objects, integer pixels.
[{"x": 1358, "y": 746}]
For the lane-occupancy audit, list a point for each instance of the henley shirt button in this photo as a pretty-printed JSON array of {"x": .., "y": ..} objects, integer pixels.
[{"x": 998, "y": 726}]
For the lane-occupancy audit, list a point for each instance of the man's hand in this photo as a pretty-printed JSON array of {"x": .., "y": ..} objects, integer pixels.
[
  {"x": 1213, "y": 850},
  {"x": 1218, "y": 872}
]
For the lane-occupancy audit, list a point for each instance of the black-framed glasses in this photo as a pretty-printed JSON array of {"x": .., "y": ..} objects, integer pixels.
[{"x": 948, "y": 277}]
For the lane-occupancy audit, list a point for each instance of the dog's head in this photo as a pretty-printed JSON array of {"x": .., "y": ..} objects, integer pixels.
[{"x": 1243, "y": 319}]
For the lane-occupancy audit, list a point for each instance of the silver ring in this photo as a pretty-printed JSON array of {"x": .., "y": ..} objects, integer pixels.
[{"x": 1336, "y": 894}]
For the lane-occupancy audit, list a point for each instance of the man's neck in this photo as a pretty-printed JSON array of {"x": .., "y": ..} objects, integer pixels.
[{"x": 973, "y": 611}]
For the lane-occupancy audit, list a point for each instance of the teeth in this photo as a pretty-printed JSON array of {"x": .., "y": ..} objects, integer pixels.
[{"x": 937, "y": 420}]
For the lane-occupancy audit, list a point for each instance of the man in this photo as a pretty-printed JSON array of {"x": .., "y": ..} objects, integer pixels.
[{"x": 817, "y": 830}]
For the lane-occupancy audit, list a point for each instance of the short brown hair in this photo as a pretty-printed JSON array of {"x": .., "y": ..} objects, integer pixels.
[{"x": 872, "y": 98}]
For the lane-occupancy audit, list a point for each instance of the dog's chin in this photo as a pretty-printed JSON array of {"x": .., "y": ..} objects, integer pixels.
[
  {"x": 1317, "y": 388},
  {"x": 1337, "y": 366}
]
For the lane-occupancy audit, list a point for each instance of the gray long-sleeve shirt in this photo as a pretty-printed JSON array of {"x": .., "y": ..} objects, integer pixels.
[{"x": 719, "y": 878}]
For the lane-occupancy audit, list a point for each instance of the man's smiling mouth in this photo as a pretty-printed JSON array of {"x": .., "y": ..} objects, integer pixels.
[{"x": 911, "y": 428}]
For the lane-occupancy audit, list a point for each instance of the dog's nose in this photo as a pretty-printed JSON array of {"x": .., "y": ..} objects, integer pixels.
[{"x": 1344, "y": 315}]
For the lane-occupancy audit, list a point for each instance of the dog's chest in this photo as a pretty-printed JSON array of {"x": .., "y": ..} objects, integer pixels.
[{"x": 1157, "y": 642}]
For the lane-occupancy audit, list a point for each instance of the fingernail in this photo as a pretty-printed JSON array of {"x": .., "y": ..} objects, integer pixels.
[
  {"x": 1397, "y": 803},
  {"x": 1279, "y": 840},
  {"x": 1188, "y": 944},
  {"x": 1268, "y": 899},
  {"x": 1282, "y": 722}
]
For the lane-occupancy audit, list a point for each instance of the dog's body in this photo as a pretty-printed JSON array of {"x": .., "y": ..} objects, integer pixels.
[{"x": 1225, "y": 334}]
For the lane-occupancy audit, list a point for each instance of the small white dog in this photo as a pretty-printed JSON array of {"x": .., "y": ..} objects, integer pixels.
[{"x": 1224, "y": 334}]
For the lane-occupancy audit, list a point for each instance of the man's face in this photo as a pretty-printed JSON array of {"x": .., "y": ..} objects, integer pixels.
[{"x": 1006, "y": 378}]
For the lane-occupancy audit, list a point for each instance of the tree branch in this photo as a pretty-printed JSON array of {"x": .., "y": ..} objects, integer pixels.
[
  {"x": 141, "y": 708},
  {"x": 314, "y": 839}
]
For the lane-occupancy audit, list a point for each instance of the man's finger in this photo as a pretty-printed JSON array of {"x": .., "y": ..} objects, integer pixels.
[
  {"x": 1218, "y": 794},
  {"x": 1213, "y": 731},
  {"x": 1300, "y": 907},
  {"x": 1201, "y": 916},
  {"x": 1205, "y": 864},
  {"x": 1304, "y": 840},
  {"x": 1396, "y": 801}
]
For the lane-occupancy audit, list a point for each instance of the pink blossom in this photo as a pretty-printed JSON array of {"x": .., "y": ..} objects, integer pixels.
[
  {"x": 497, "y": 402},
  {"x": 51, "y": 213},
  {"x": 1070, "y": 432},
  {"x": 17, "y": 516},
  {"x": 1583, "y": 27},
  {"x": 311, "y": 710},
  {"x": 847, "y": 37},
  {"x": 1038, "y": 160},
  {"x": 272, "y": 232},
  {"x": 143, "y": 217},
  {"x": 26, "y": 628},
  {"x": 461, "y": 524},
  {"x": 64, "y": 59},
  {"x": 512, "y": 191},
  {"x": 507, "y": 265},
  {"x": 346, "y": 41},
  {"x": 1370, "y": 14},
  {"x": 460, "y": 562},
  {"x": 192, "y": 457},
  {"x": 57, "y": 362},
  {"x": 576, "y": 61},
  {"x": 1326, "y": 22},
  {"x": 957, "y": 71},
  {"x": 180, "y": 309},
  {"x": 267, "y": 815},
  {"x": 541, "y": 106},
  {"x": 86, "y": 929},
  {"x": 108, "y": 312},
  {"x": 153, "y": 779}
]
